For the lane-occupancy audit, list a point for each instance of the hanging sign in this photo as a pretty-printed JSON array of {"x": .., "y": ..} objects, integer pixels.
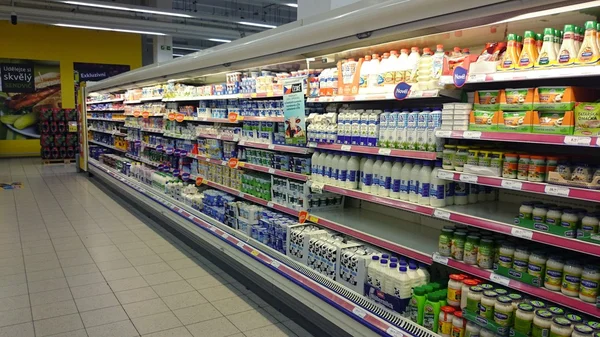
[
  {"x": 185, "y": 176},
  {"x": 302, "y": 216},
  {"x": 293, "y": 111},
  {"x": 459, "y": 76},
  {"x": 401, "y": 91}
]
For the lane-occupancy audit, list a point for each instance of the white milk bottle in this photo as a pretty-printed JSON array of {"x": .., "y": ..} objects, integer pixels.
[
  {"x": 368, "y": 175},
  {"x": 402, "y": 130},
  {"x": 365, "y": 70},
  {"x": 422, "y": 137},
  {"x": 402, "y": 287},
  {"x": 423, "y": 271},
  {"x": 403, "y": 65},
  {"x": 424, "y": 183},
  {"x": 341, "y": 120},
  {"x": 405, "y": 179},
  {"x": 376, "y": 175},
  {"x": 314, "y": 167},
  {"x": 343, "y": 170},
  {"x": 372, "y": 86},
  {"x": 425, "y": 71},
  {"x": 372, "y": 269},
  {"x": 356, "y": 126},
  {"x": 413, "y": 194},
  {"x": 328, "y": 167},
  {"x": 321, "y": 167},
  {"x": 384, "y": 125},
  {"x": 379, "y": 276},
  {"x": 461, "y": 193},
  {"x": 434, "y": 122},
  {"x": 437, "y": 189},
  {"x": 352, "y": 172},
  {"x": 396, "y": 179},
  {"x": 394, "y": 69},
  {"x": 335, "y": 170},
  {"x": 373, "y": 129},
  {"x": 412, "y": 64},
  {"x": 364, "y": 127},
  {"x": 385, "y": 179},
  {"x": 348, "y": 127},
  {"x": 412, "y": 274},
  {"x": 361, "y": 173},
  {"x": 473, "y": 193},
  {"x": 390, "y": 278},
  {"x": 438, "y": 62},
  {"x": 411, "y": 129},
  {"x": 391, "y": 129}
]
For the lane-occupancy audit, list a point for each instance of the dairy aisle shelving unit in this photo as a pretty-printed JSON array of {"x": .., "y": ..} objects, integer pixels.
[{"x": 405, "y": 228}]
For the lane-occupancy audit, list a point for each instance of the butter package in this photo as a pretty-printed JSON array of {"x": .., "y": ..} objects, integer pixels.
[
  {"x": 553, "y": 122},
  {"x": 481, "y": 120},
  {"x": 587, "y": 119},
  {"x": 487, "y": 100},
  {"x": 516, "y": 99},
  {"x": 515, "y": 121}
]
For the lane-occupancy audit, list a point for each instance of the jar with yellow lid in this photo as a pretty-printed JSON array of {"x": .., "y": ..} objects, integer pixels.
[{"x": 460, "y": 158}]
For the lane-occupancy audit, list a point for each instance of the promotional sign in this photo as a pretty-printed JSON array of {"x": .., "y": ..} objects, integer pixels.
[
  {"x": 17, "y": 77},
  {"x": 401, "y": 91},
  {"x": 97, "y": 72},
  {"x": 293, "y": 111},
  {"x": 459, "y": 76}
]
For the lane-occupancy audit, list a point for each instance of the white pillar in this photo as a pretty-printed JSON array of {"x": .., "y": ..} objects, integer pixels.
[{"x": 308, "y": 8}]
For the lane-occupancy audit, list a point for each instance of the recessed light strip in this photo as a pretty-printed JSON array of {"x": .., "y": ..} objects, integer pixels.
[
  {"x": 219, "y": 40},
  {"x": 186, "y": 48},
  {"x": 292, "y": 5},
  {"x": 552, "y": 11},
  {"x": 109, "y": 29},
  {"x": 262, "y": 25},
  {"x": 129, "y": 9}
]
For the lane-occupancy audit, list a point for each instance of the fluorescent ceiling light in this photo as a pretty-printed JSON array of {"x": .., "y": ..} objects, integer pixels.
[
  {"x": 186, "y": 48},
  {"x": 109, "y": 29},
  {"x": 219, "y": 40},
  {"x": 177, "y": 55},
  {"x": 292, "y": 5},
  {"x": 129, "y": 9},
  {"x": 262, "y": 25},
  {"x": 552, "y": 11}
]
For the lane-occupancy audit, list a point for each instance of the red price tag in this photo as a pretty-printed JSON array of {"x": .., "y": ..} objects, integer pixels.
[
  {"x": 171, "y": 116},
  {"x": 180, "y": 117},
  {"x": 136, "y": 114},
  {"x": 199, "y": 181},
  {"x": 145, "y": 114},
  {"x": 302, "y": 216},
  {"x": 233, "y": 162},
  {"x": 232, "y": 117}
]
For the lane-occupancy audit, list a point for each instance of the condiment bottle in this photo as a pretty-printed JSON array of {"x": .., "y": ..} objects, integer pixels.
[
  {"x": 529, "y": 54},
  {"x": 510, "y": 58},
  {"x": 547, "y": 54},
  {"x": 589, "y": 53},
  {"x": 567, "y": 53}
]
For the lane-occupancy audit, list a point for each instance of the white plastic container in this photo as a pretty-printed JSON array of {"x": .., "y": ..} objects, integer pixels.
[
  {"x": 361, "y": 173},
  {"x": 373, "y": 128},
  {"x": 434, "y": 122},
  {"x": 364, "y": 127},
  {"x": 379, "y": 279},
  {"x": 411, "y": 130},
  {"x": 391, "y": 129},
  {"x": 368, "y": 175},
  {"x": 412, "y": 63},
  {"x": 396, "y": 179},
  {"x": 355, "y": 138},
  {"x": 403, "y": 65},
  {"x": 314, "y": 167},
  {"x": 413, "y": 194},
  {"x": 424, "y": 183},
  {"x": 437, "y": 187},
  {"x": 322, "y": 157},
  {"x": 412, "y": 274},
  {"x": 405, "y": 179},
  {"x": 385, "y": 179},
  {"x": 423, "y": 275},
  {"x": 376, "y": 175},
  {"x": 328, "y": 167},
  {"x": 342, "y": 171},
  {"x": 365, "y": 71},
  {"x": 390, "y": 278},
  {"x": 335, "y": 170},
  {"x": 422, "y": 130},
  {"x": 402, "y": 288},
  {"x": 352, "y": 174},
  {"x": 384, "y": 124},
  {"x": 372, "y": 270},
  {"x": 372, "y": 86},
  {"x": 401, "y": 133}
]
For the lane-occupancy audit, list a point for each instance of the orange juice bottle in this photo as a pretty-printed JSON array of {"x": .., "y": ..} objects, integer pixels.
[
  {"x": 589, "y": 53},
  {"x": 511, "y": 57},
  {"x": 529, "y": 54}
]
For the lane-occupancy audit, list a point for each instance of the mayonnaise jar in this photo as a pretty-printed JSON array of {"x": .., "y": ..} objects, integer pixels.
[
  {"x": 582, "y": 330},
  {"x": 554, "y": 273},
  {"x": 537, "y": 264},
  {"x": 541, "y": 323},
  {"x": 590, "y": 278},
  {"x": 571, "y": 280},
  {"x": 561, "y": 327}
]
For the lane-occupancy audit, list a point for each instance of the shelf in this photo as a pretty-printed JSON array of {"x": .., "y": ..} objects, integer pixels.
[
  {"x": 150, "y": 99},
  {"x": 135, "y": 101},
  {"x": 105, "y": 111},
  {"x": 413, "y": 94},
  {"x": 275, "y": 147},
  {"x": 227, "y": 137},
  {"x": 106, "y": 120},
  {"x": 212, "y": 120},
  {"x": 405, "y": 238},
  {"x": 270, "y": 170},
  {"x": 536, "y": 74},
  {"x": 208, "y": 160},
  {"x": 260, "y": 119},
  {"x": 394, "y": 203},
  {"x": 261, "y": 95},
  {"x": 543, "y": 293},
  {"x": 106, "y": 145},
  {"x": 521, "y": 185},
  {"x": 376, "y": 151},
  {"x": 105, "y": 101},
  {"x": 114, "y": 133},
  {"x": 142, "y": 160},
  {"x": 522, "y": 138},
  {"x": 499, "y": 217},
  {"x": 200, "y": 98}
]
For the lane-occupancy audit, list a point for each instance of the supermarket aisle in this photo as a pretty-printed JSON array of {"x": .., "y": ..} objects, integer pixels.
[{"x": 73, "y": 262}]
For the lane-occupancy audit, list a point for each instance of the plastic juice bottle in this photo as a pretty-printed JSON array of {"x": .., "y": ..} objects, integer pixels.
[
  {"x": 424, "y": 183},
  {"x": 598, "y": 35},
  {"x": 558, "y": 40},
  {"x": 394, "y": 69},
  {"x": 437, "y": 189},
  {"x": 413, "y": 194},
  {"x": 403, "y": 65},
  {"x": 589, "y": 52},
  {"x": 373, "y": 72},
  {"x": 412, "y": 64},
  {"x": 385, "y": 179},
  {"x": 352, "y": 172},
  {"x": 578, "y": 37},
  {"x": 314, "y": 166},
  {"x": 396, "y": 179},
  {"x": 567, "y": 53},
  {"x": 529, "y": 53},
  {"x": 438, "y": 61},
  {"x": 376, "y": 175},
  {"x": 511, "y": 56},
  {"x": 383, "y": 69},
  {"x": 368, "y": 175},
  {"x": 519, "y": 44},
  {"x": 365, "y": 70},
  {"x": 405, "y": 179},
  {"x": 547, "y": 55},
  {"x": 431, "y": 311}
]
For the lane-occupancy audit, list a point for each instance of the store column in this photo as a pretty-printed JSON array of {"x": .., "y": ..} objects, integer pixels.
[
  {"x": 162, "y": 45},
  {"x": 308, "y": 8}
]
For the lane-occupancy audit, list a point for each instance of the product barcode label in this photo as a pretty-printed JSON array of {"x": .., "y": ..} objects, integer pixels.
[
  {"x": 557, "y": 190},
  {"x": 255, "y": 252},
  {"x": 241, "y": 244},
  {"x": 360, "y": 312},
  {"x": 445, "y": 175},
  {"x": 317, "y": 187},
  {"x": 443, "y": 134},
  {"x": 271, "y": 170},
  {"x": 242, "y": 142},
  {"x": 346, "y": 147},
  {"x": 225, "y": 235},
  {"x": 476, "y": 78},
  {"x": 576, "y": 140},
  {"x": 313, "y": 218},
  {"x": 241, "y": 194},
  {"x": 522, "y": 233},
  {"x": 472, "y": 134},
  {"x": 219, "y": 136},
  {"x": 271, "y": 146},
  {"x": 503, "y": 280},
  {"x": 275, "y": 263},
  {"x": 385, "y": 152},
  {"x": 395, "y": 332},
  {"x": 438, "y": 213},
  {"x": 440, "y": 259},
  {"x": 512, "y": 185},
  {"x": 270, "y": 204},
  {"x": 468, "y": 178},
  {"x": 311, "y": 144}
]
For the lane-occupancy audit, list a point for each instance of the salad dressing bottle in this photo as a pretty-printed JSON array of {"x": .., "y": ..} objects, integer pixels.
[
  {"x": 539, "y": 41},
  {"x": 589, "y": 53},
  {"x": 529, "y": 53},
  {"x": 567, "y": 53},
  {"x": 557, "y": 41},
  {"x": 547, "y": 56},
  {"x": 578, "y": 37},
  {"x": 511, "y": 56}
]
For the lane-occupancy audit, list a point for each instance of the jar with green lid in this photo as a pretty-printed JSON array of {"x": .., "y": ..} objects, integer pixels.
[
  {"x": 471, "y": 248},
  {"x": 496, "y": 158},
  {"x": 503, "y": 311},
  {"x": 537, "y": 169},
  {"x": 524, "y": 318},
  {"x": 506, "y": 255},
  {"x": 448, "y": 157},
  {"x": 582, "y": 330},
  {"x": 541, "y": 323},
  {"x": 537, "y": 305},
  {"x": 487, "y": 286},
  {"x": 484, "y": 158},
  {"x": 561, "y": 327},
  {"x": 569, "y": 220},
  {"x": 523, "y": 167},
  {"x": 554, "y": 273},
  {"x": 574, "y": 319},
  {"x": 589, "y": 225},
  {"x": 537, "y": 264},
  {"x": 486, "y": 306},
  {"x": 594, "y": 325},
  {"x": 445, "y": 242},
  {"x": 485, "y": 253},
  {"x": 510, "y": 165},
  {"x": 556, "y": 311},
  {"x": 539, "y": 213},
  {"x": 473, "y": 158},
  {"x": 590, "y": 278},
  {"x": 516, "y": 299},
  {"x": 521, "y": 260},
  {"x": 457, "y": 249},
  {"x": 474, "y": 298},
  {"x": 526, "y": 210},
  {"x": 460, "y": 158}
]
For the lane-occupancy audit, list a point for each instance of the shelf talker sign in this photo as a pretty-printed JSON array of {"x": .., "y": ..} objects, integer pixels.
[
  {"x": 302, "y": 216},
  {"x": 293, "y": 111},
  {"x": 459, "y": 76},
  {"x": 401, "y": 91}
]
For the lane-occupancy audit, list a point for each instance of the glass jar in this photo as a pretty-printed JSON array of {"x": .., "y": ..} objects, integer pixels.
[
  {"x": 471, "y": 248},
  {"x": 510, "y": 165},
  {"x": 554, "y": 273},
  {"x": 542, "y": 321},
  {"x": 551, "y": 165},
  {"x": 594, "y": 325},
  {"x": 524, "y": 318},
  {"x": 501, "y": 292},
  {"x": 454, "y": 290},
  {"x": 539, "y": 213},
  {"x": 537, "y": 169},
  {"x": 448, "y": 157},
  {"x": 589, "y": 225},
  {"x": 472, "y": 330},
  {"x": 590, "y": 278},
  {"x": 458, "y": 325},
  {"x": 457, "y": 249},
  {"x": 474, "y": 298},
  {"x": 516, "y": 300},
  {"x": 569, "y": 220},
  {"x": 582, "y": 172},
  {"x": 503, "y": 311},
  {"x": 465, "y": 290},
  {"x": 473, "y": 158},
  {"x": 486, "y": 306},
  {"x": 582, "y": 330},
  {"x": 574, "y": 319},
  {"x": 523, "y": 167},
  {"x": 571, "y": 280},
  {"x": 537, "y": 264},
  {"x": 496, "y": 158},
  {"x": 445, "y": 321},
  {"x": 564, "y": 168},
  {"x": 460, "y": 158},
  {"x": 561, "y": 327},
  {"x": 554, "y": 216},
  {"x": 507, "y": 252},
  {"x": 537, "y": 305},
  {"x": 486, "y": 333},
  {"x": 487, "y": 286},
  {"x": 521, "y": 260},
  {"x": 557, "y": 311},
  {"x": 445, "y": 242},
  {"x": 484, "y": 158},
  {"x": 526, "y": 210}
]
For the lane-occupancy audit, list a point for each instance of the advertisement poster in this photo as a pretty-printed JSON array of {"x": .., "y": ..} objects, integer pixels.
[
  {"x": 293, "y": 112},
  {"x": 94, "y": 72},
  {"x": 26, "y": 87}
]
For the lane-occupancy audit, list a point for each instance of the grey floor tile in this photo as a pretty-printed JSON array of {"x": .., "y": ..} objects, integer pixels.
[
  {"x": 54, "y": 309},
  {"x": 76, "y": 261},
  {"x": 275, "y": 330},
  {"x": 45, "y": 265},
  {"x": 177, "y": 332},
  {"x": 143, "y": 260},
  {"x": 108, "y": 257},
  {"x": 13, "y": 290},
  {"x": 45, "y": 275},
  {"x": 138, "y": 252},
  {"x": 46, "y": 285},
  {"x": 56, "y": 325},
  {"x": 64, "y": 254},
  {"x": 184, "y": 300},
  {"x": 15, "y": 302},
  {"x": 192, "y": 272},
  {"x": 84, "y": 279},
  {"x": 172, "y": 288},
  {"x": 208, "y": 281},
  {"x": 96, "y": 302},
  {"x": 38, "y": 250},
  {"x": 182, "y": 263},
  {"x": 76, "y": 333},
  {"x": 124, "y": 246},
  {"x": 91, "y": 290},
  {"x": 252, "y": 319},
  {"x": 112, "y": 265},
  {"x": 157, "y": 322},
  {"x": 117, "y": 329},
  {"x": 19, "y": 330},
  {"x": 15, "y": 316},
  {"x": 136, "y": 295},
  {"x": 103, "y": 316},
  {"x": 128, "y": 283},
  {"x": 145, "y": 308},
  {"x": 197, "y": 313},
  {"x": 219, "y": 293},
  {"x": 12, "y": 270},
  {"x": 218, "y": 327},
  {"x": 80, "y": 270},
  {"x": 234, "y": 305},
  {"x": 51, "y": 296},
  {"x": 14, "y": 279},
  {"x": 119, "y": 274},
  {"x": 164, "y": 277},
  {"x": 154, "y": 268}
]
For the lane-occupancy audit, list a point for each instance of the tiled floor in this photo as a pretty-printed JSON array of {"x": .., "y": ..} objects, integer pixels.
[{"x": 74, "y": 263}]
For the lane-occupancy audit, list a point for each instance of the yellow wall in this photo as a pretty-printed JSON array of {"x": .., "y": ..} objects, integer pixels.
[{"x": 65, "y": 45}]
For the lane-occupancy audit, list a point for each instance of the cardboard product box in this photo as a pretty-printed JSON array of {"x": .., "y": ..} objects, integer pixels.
[
  {"x": 298, "y": 243},
  {"x": 515, "y": 121},
  {"x": 553, "y": 122},
  {"x": 562, "y": 98},
  {"x": 354, "y": 258},
  {"x": 481, "y": 120},
  {"x": 587, "y": 119},
  {"x": 517, "y": 99},
  {"x": 487, "y": 100}
]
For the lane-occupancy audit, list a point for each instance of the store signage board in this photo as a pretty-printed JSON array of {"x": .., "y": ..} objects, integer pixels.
[
  {"x": 459, "y": 76},
  {"x": 402, "y": 91},
  {"x": 293, "y": 111},
  {"x": 17, "y": 77}
]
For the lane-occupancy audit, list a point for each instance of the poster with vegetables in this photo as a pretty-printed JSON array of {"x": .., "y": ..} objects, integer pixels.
[{"x": 26, "y": 88}]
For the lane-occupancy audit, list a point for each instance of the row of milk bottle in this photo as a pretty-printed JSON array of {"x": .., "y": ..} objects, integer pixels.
[
  {"x": 333, "y": 168},
  {"x": 395, "y": 277}
]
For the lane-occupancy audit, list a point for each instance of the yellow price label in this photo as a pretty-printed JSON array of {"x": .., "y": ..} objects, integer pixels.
[
  {"x": 241, "y": 164},
  {"x": 254, "y": 252},
  {"x": 313, "y": 218},
  {"x": 240, "y": 118}
]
